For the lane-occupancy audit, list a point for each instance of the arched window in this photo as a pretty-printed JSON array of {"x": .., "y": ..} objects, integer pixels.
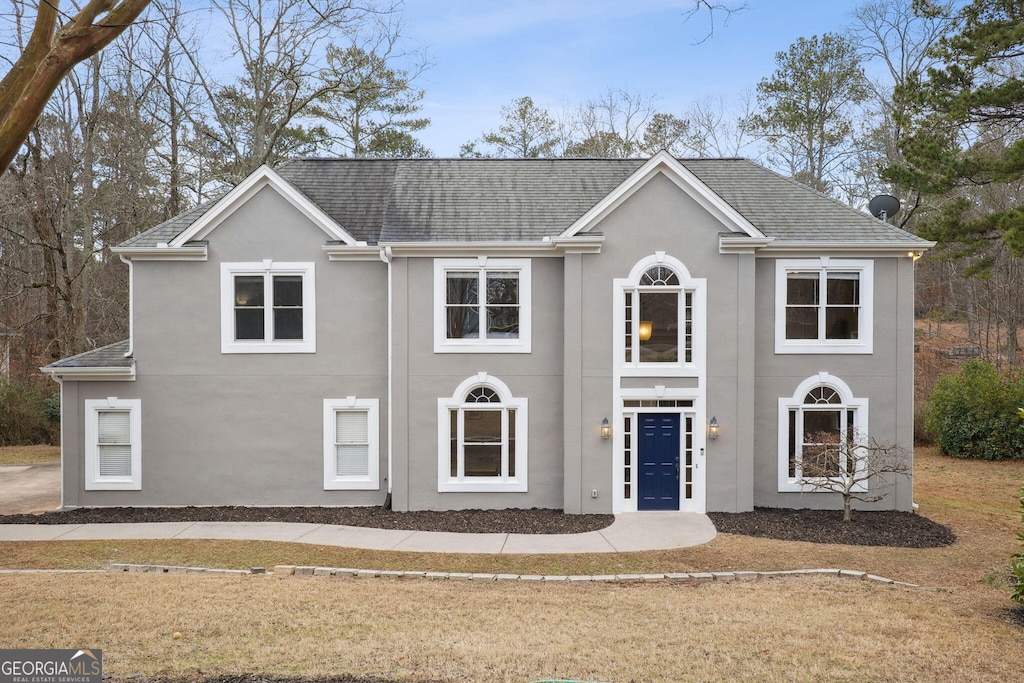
[
  {"x": 818, "y": 425},
  {"x": 483, "y": 444},
  {"x": 659, "y": 319}
]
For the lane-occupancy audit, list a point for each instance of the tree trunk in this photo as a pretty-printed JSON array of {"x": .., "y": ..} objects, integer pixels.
[{"x": 50, "y": 55}]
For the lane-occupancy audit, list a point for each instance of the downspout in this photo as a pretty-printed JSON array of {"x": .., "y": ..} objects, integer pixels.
[
  {"x": 131, "y": 306},
  {"x": 385, "y": 256}
]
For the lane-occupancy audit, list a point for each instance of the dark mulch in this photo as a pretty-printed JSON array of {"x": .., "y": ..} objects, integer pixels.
[
  {"x": 878, "y": 528},
  {"x": 534, "y": 521}
]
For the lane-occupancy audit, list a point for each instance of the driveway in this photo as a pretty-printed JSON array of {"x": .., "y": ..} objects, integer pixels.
[{"x": 29, "y": 488}]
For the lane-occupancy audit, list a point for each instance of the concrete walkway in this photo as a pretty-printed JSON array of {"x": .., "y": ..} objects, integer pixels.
[{"x": 628, "y": 533}]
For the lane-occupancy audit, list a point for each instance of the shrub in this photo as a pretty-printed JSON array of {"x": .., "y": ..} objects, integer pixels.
[
  {"x": 27, "y": 414},
  {"x": 974, "y": 414},
  {"x": 1018, "y": 560}
]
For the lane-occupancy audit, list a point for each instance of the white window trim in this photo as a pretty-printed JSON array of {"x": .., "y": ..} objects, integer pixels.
[
  {"x": 334, "y": 482},
  {"x": 93, "y": 480},
  {"x": 864, "y": 344},
  {"x": 448, "y": 484},
  {"x": 267, "y": 267},
  {"x": 687, "y": 283},
  {"x": 796, "y": 401},
  {"x": 482, "y": 263}
]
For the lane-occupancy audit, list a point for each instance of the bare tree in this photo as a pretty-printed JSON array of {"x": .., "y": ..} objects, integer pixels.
[
  {"x": 856, "y": 469},
  {"x": 716, "y": 130},
  {"x": 51, "y": 52}
]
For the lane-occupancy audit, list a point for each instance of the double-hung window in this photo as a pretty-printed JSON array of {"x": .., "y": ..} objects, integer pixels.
[
  {"x": 482, "y": 305},
  {"x": 268, "y": 307},
  {"x": 483, "y": 438},
  {"x": 113, "y": 444},
  {"x": 351, "y": 444},
  {"x": 823, "y": 306}
]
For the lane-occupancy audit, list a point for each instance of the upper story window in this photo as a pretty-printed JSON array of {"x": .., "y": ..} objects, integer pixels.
[
  {"x": 818, "y": 426},
  {"x": 268, "y": 307},
  {"x": 659, "y": 314},
  {"x": 482, "y": 445},
  {"x": 482, "y": 305},
  {"x": 823, "y": 306},
  {"x": 113, "y": 444},
  {"x": 659, "y": 319}
]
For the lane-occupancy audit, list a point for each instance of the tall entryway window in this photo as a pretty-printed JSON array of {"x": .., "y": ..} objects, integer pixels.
[{"x": 659, "y": 409}]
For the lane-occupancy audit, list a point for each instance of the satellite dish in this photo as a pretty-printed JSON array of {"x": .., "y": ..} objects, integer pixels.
[{"x": 884, "y": 206}]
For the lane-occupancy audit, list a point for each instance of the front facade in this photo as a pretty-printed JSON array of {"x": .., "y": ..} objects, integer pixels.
[{"x": 587, "y": 335}]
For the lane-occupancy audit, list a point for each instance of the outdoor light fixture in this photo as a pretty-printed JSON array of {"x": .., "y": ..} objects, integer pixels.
[
  {"x": 713, "y": 429},
  {"x": 646, "y": 327},
  {"x": 606, "y": 429}
]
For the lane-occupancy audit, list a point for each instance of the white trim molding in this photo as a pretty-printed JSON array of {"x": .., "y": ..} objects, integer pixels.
[
  {"x": 262, "y": 177},
  {"x": 848, "y": 402},
  {"x": 333, "y": 481},
  {"x": 514, "y": 419},
  {"x": 482, "y": 266},
  {"x": 267, "y": 269},
  {"x": 822, "y": 267},
  {"x": 95, "y": 480}
]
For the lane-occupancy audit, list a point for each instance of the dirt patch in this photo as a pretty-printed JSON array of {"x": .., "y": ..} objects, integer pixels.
[
  {"x": 258, "y": 678},
  {"x": 875, "y": 528}
]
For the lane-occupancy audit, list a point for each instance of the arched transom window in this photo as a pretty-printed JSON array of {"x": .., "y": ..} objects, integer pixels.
[
  {"x": 483, "y": 448},
  {"x": 821, "y": 422},
  {"x": 659, "y": 319}
]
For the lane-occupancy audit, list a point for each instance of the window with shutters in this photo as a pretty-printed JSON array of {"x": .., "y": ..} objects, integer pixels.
[
  {"x": 351, "y": 444},
  {"x": 113, "y": 444},
  {"x": 268, "y": 307}
]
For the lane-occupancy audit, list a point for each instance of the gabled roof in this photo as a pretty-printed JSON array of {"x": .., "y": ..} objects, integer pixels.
[{"x": 526, "y": 200}]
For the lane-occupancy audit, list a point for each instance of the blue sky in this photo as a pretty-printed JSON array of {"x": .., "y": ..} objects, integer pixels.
[{"x": 563, "y": 52}]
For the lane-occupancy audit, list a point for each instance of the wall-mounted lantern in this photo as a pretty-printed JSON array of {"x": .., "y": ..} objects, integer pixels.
[
  {"x": 713, "y": 428},
  {"x": 606, "y": 429}
]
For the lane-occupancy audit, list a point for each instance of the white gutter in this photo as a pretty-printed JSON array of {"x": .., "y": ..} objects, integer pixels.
[
  {"x": 131, "y": 305},
  {"x": 385, "y": 256}
]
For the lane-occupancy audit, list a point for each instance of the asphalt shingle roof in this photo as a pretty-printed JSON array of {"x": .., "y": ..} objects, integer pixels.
[
  {"x": 110, "y": 356},
  {"x": 422, "y": 200}
]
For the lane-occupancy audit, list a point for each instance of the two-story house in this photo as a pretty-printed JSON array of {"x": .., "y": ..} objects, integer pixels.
[{"x": 595, "y": 335}]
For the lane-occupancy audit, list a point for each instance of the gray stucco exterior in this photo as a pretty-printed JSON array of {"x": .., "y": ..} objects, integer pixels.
[{"x": 375, "y": 242}]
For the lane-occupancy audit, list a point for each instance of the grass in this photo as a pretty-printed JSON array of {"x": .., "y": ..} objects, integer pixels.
[
  {"x": 958, "y": 628},
  {"x": 29, "y": 455}
]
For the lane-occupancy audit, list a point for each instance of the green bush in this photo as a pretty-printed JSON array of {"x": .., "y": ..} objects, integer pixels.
[
  {"x": 1018, "y": 560},
  {"x": 29, "y": 414},
  {"x": 975, "y": 414}
]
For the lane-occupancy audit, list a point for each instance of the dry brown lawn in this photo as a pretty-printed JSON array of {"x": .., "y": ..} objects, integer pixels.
[
  {"x": 959, "y": 627},
  {"x": 29, "y": 455}
]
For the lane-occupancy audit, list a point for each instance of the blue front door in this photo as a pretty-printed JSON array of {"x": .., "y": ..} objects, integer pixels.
[{"x": 659, "y": 461}]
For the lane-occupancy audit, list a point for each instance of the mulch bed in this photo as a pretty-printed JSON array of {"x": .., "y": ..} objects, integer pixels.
[
  {"x": 876, "y": 528},
  {"x": 533, "y": 521},
  {"x": 873, "y": 528}
]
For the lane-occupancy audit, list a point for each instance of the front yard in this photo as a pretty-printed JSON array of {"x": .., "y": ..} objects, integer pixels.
[{"x": 960, "y": 626}]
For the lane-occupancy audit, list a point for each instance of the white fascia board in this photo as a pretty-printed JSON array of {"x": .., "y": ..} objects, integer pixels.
[
  {"x": 352, "y": 252},
  {"x": 665, "y": 163},
  {"x": 92, "y": 374},
  {"x": 548, "y": 247},
  {"x": 908, "y": 248},
  {"x": 164, "y": 253},
  {"x": 264, "y": 176},
  {"x": 738, "y": 243}
]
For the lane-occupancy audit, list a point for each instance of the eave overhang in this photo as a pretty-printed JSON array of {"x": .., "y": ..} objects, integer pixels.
[{"x": 91, "y": 374}]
